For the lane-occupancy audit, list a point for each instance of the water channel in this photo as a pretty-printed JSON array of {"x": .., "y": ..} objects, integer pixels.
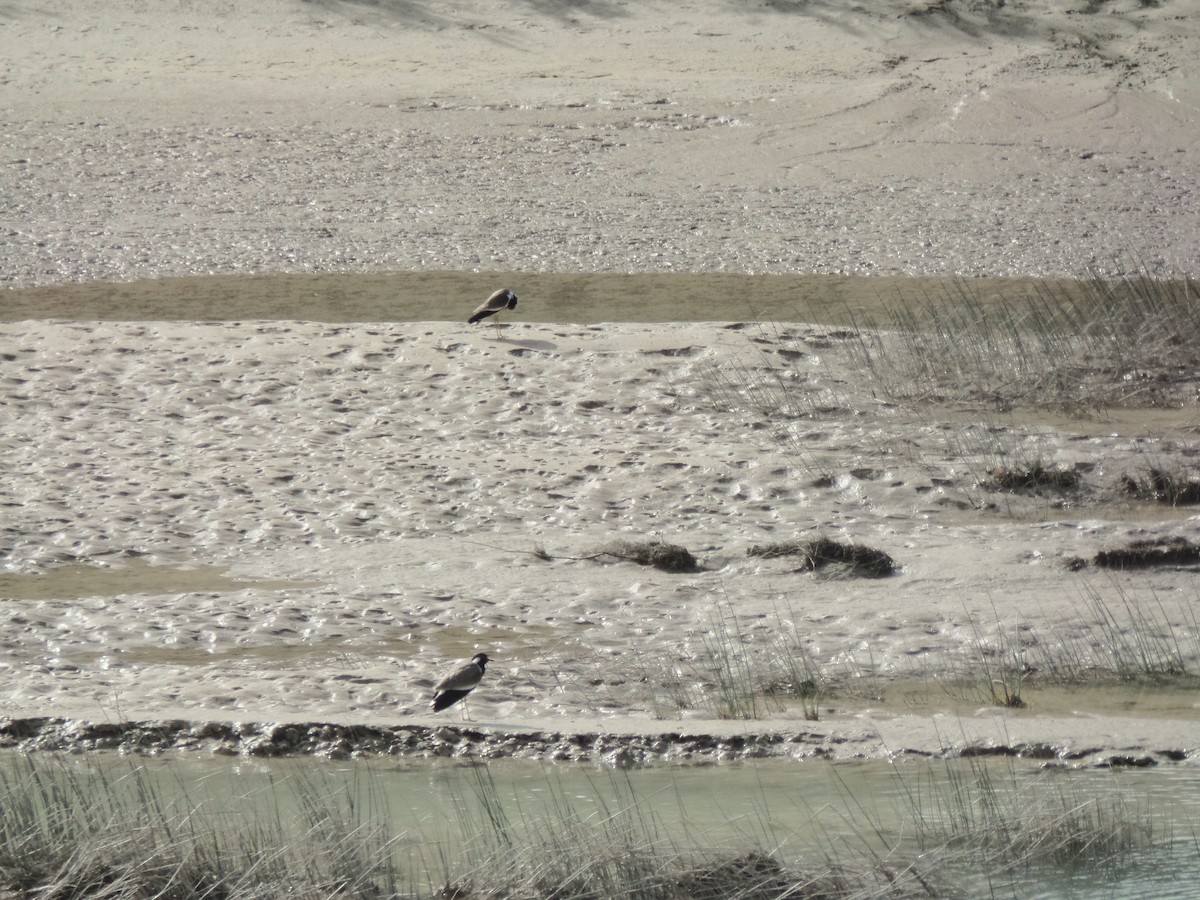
[{"x": 974, "y": 827}]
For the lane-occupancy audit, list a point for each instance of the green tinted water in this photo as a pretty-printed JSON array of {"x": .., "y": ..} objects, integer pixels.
[{"x": 956, "y": 822}]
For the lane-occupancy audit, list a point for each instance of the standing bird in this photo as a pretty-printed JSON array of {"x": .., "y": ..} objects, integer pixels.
[
  {"x": 457, "y": 684},
  {"x": 501, "y": 300}
]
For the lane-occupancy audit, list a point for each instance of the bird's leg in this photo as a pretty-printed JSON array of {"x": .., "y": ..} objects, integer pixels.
[{"x": 496, "y": 325}]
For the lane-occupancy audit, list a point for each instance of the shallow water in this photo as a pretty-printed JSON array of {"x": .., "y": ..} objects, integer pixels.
[
  {"x": 544, "y": 297},
  {"x": 75, "y": 581},
  {"x": 442, "y": 815}
]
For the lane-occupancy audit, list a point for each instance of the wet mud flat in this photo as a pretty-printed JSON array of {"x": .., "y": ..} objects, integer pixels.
[{"x": 176, "y": 561}]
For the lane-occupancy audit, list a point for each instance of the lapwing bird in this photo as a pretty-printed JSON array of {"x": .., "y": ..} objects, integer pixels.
[
  {"x": 501, "y": 300},
  {"x": 457, "y": 684}
]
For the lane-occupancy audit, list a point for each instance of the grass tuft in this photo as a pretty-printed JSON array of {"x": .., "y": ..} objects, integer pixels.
[
  {"x": 751, "y": 677},
  {"x": 856, "y": 559},
  {"x": 1167, "y": 488},
  {"x": 66, "y": 835},
  {"x": 1032, "y": 479},
  {"x": 1132, "y": 340},
  {"x": 989, "y": 815},
  {"x": 738, "y": 695},
  {"x": 657, "y": 553}
]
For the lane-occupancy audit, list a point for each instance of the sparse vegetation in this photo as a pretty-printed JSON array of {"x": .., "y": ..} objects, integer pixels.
[
  {"x": 71, "y": 836},
  {"x": 1129, "y": 340},
  {"x": 1076, "y": 348},
  {"x": 1116, "y": 638},
  {"x": 1133, "y": 639},
  {"x": 1122, "y": 640},
  {"x": 117, "y": 833},
  {"x": 624, "y": 851},
  {"x": 990, "y": 816}
]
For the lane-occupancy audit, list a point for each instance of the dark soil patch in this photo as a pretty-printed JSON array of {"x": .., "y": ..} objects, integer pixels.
[
  {"x": 1032, "y": 480},
  {"x": 335, "y": 741},
  {"x": 1139, "y": 554},
  {"x": 660, "y": 554},
  {"x": 1165, "y": 488},
  {"x": 858, "y": 559}
]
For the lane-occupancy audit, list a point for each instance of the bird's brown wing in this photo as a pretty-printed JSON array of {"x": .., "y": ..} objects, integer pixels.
[
  {"x": 464, "y": 678},
  {"x": 500, "y": 300},
  {"x": 482, "y": 313}
]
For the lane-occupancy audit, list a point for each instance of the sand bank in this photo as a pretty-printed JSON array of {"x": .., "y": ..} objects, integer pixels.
[
  {"x": 299, "y": 521},
  {"x": 295, "y": 520}
]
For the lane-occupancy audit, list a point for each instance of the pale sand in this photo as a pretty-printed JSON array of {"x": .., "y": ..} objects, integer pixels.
[
  {"x": 381, "y": 490},
  {"x": 146, "y": 139},
  {"x": 300, "y": 521}
]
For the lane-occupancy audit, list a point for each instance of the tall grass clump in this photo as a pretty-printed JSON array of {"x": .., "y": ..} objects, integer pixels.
[
  {"x": 1127, "y": 637},
  {"x": 1129, "y": 340},
  {"x": 997, "y": 670},
  {"x": 987, "y": 814},
  {"x": 552, "y": 852},
  {"x": 620, "y": 850},
  {"x": 792, "y": 672},
  {"x": 753, "y": 672},
  {"x": 734, "y": 669},
  {"x": 94, "y": 834}
]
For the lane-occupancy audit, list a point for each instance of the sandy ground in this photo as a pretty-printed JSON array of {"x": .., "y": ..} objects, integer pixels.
[
  {"x": 296, "y": 521},
  {"x": 304, "y": 521},
  {"x": 150, "y": 139}
]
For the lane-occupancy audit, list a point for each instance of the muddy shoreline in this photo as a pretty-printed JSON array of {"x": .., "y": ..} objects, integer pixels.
[{"x": 466, "y": 743}]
